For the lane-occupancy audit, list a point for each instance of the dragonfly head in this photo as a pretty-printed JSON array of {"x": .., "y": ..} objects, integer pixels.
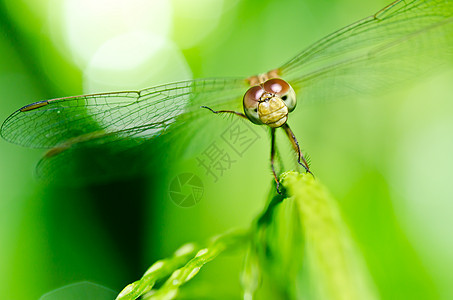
[{"x": 270, "y": 102}]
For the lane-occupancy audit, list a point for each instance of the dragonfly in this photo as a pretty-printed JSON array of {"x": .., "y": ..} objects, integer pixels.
[{"x": 397, "y": 44}]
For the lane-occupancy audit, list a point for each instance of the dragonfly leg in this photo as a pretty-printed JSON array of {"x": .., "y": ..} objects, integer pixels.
[
  {"x": 226, "y": 111},
  {"x": 300, "y": 157},
  {"x": 272, "y": 159}
]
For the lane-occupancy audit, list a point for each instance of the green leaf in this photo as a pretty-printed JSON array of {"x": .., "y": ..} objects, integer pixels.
[
  {"x": 334, "y": 265},
  {"x": 181, "y": 268}
]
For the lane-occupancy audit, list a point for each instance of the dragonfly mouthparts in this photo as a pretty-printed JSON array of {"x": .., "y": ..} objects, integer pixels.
[{"x": 273, "y": 112}]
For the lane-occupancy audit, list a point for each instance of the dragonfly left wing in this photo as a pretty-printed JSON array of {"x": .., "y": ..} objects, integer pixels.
[{"x": 398, "y": 44}]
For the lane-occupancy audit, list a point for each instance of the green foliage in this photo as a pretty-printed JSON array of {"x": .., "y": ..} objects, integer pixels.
[
  {"x": 335, "y": 267},
  {"x": 299, "y": 232},
  {"x": 179, "y": 269}
]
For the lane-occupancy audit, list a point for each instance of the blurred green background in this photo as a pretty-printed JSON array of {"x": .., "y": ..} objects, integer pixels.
[{"x": 387, "y": 159}]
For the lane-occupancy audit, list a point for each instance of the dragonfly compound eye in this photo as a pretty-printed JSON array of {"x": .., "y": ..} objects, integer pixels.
[
  {"x": 251, "y": 102},
  {"x": 283, "y": 90}
]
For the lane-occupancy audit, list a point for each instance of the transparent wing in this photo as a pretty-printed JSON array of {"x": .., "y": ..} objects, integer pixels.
[
  {"x": 399, "y": 43},
  {"x": 110, "y": 116}
]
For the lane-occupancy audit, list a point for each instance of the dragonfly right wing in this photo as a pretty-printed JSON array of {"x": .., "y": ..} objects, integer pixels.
[{"x": 122, "y": 115}]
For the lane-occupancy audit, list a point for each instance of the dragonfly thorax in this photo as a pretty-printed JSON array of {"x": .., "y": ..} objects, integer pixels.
[{"x": 269, "y": 103}]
